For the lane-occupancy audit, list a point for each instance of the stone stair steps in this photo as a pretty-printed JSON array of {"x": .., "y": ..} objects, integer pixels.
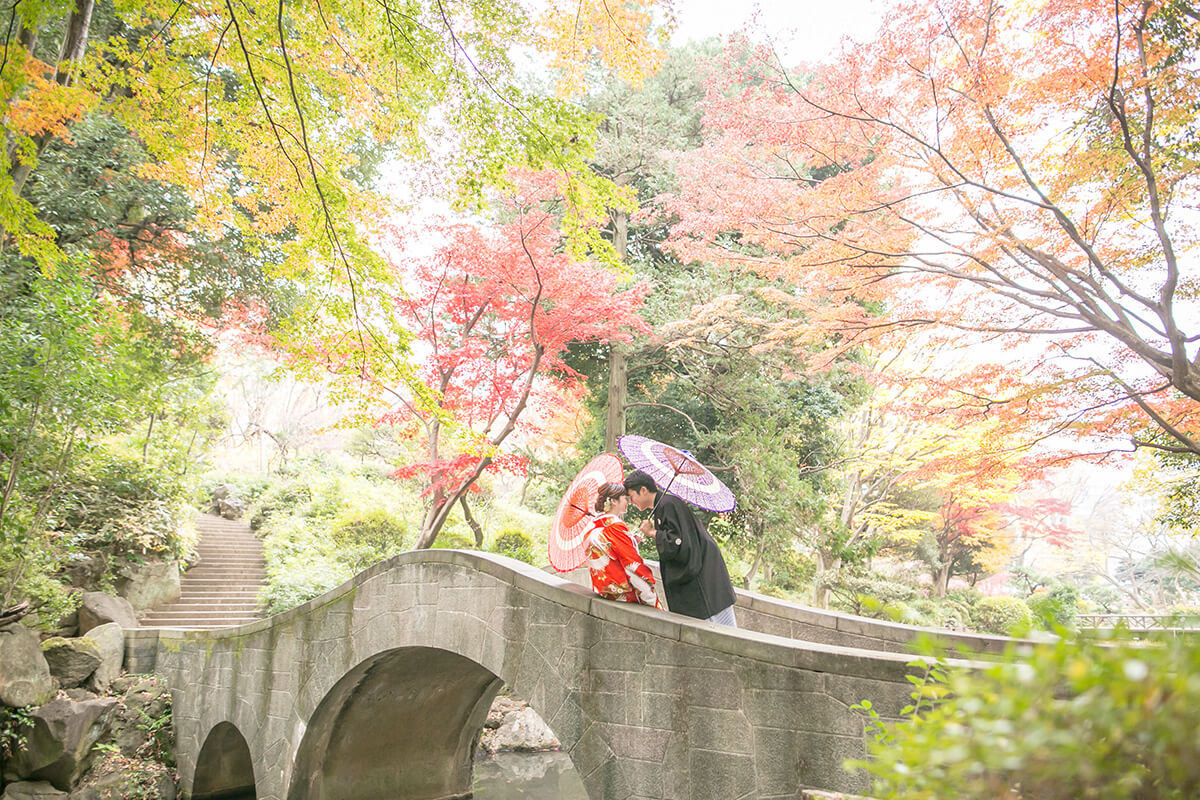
[
  {"x": 221, "y": 590},
  {"x": 193, "y": 605},
  {"x": 225, "y": 568},
  {"x": 229, "y": 557},
  {"x": 215, "y": 619},
  {"x": 223, "y": 593},
  {"x": 189, "y": 624}
]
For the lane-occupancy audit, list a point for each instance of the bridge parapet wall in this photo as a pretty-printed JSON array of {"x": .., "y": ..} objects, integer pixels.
[
  {"x": 790, "y": 620},
  {"x": 646, "y": 704},
  {"x": 764, "y": 614}
]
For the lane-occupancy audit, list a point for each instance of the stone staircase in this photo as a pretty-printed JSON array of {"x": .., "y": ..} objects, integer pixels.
[{"x": 221, "y": 589}]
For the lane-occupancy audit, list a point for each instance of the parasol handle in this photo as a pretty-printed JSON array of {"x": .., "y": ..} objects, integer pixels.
[{"x": 662, "y": 494}]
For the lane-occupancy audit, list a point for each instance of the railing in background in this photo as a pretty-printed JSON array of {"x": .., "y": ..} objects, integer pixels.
[{"x": 1141, "y": 622}]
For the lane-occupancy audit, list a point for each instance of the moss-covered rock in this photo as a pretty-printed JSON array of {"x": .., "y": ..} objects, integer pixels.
[{"x": 72, "y": 661}]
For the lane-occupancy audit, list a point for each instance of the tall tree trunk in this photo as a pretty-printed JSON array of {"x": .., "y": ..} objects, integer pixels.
[
  {"x": 618, "y": 368},
  {"x": 618, "y": 396},
  {"x": 187, "y": 456},
  {"x": 758, "y": 558},
  {"x": 941, "y": 579},
  {"x": 149, "y": 433},
  {"x": 18, "y": 456},
  {"x": 826, "y": 563}
]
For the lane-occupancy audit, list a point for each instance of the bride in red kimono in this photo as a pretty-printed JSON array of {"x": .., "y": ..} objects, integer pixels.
[{"x": 618, "y": 572}]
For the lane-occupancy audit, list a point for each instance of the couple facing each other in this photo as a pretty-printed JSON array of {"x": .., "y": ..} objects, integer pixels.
[{"x": 693, "y": 572}]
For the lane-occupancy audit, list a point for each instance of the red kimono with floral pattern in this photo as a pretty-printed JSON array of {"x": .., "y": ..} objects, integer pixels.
[{"x": 618, "y": 572}]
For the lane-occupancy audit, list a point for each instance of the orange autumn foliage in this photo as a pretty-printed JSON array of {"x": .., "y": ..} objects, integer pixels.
[{"x": 1021, "y": 171}]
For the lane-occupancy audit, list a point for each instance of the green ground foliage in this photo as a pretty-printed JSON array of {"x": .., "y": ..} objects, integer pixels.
[
  {"x": 320, "y": 525},
  {"x": 323, "y": 521},
  {"x": 1067, "y": 720},
  {"x": 1057, "y": 607}
]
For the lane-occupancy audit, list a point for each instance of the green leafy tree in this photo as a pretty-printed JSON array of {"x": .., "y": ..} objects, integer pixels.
[
  {"x": 74, "y": 370},
  {"x": 638, "y": 127}
]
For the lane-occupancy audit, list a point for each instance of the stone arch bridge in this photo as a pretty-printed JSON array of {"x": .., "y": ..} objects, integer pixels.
[{"x": 379, "y": 688}]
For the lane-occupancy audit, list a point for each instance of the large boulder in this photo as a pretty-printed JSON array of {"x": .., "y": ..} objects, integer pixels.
[
  {"x": 98, "y": 608},
  {"x": 84, "y": 569},
  {"x": 58, "y": 748},
  {"x": 72, "y": 661},
  {"x": 226, "y": 503},
  {"x": 150, "y": 583},
  {"x": 32, "y": 790},
  {"x": 232, "y": 508},
  {"x": 25, "y": 678},
  {"x": 521, "y": 730},
  {"x": 109, "y": 639}
]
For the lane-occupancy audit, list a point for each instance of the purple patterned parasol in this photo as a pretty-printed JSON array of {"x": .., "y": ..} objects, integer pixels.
[{"x": 678, "y": 472}]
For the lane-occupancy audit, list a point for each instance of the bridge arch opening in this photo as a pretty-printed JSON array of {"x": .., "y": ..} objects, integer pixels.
[
  {"x": 224, "y": 770},
  {"x": 403, "y": 723}
]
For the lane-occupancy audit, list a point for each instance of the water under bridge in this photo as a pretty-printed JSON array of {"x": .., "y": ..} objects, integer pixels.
[{"x": 378, "y": 689}]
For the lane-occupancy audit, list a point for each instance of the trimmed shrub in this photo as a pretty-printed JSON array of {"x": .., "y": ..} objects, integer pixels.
[
  {"x": 958, "y": 608},
  {"x": 515, "y": 543},
  {"x": 1002, "y": 615},
  {"x": 453, "y": 540},
  {"x": 365, "y": 536},
  {"x": 964, "y": 598},
  {"x": 926, "y": 611}
]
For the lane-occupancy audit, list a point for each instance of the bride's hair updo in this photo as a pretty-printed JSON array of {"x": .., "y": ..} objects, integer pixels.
[{"x": 608, "y": 493}]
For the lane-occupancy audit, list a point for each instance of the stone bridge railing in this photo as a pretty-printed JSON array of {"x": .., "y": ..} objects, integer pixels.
[{"x": 378, "y": 689}]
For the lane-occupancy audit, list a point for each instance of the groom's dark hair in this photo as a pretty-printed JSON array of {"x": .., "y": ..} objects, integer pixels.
[{"x": 639, "y": 480}]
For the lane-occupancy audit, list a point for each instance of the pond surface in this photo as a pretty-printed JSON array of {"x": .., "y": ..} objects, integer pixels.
[
  {"x": 518, "y": 776},
  {"x": 528, "y": 776}
]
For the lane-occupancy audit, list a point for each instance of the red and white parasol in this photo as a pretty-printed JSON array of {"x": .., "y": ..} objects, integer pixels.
[
  {"x": 576, "y": 511},
  {"x": 678, "y": 472}
]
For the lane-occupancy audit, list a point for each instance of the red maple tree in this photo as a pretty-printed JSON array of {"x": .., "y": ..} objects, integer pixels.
[{"x": 492, "y": 312}]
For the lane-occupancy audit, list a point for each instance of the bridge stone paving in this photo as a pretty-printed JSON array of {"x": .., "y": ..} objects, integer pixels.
[{"x": 379, "y": 688}]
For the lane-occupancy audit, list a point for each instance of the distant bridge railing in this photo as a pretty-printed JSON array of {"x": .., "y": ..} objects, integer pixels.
[{"x": 1141, "y": 622}]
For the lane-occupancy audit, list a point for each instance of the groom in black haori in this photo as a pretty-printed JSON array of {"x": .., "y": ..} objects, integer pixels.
[{"x": 694, "y": 576}]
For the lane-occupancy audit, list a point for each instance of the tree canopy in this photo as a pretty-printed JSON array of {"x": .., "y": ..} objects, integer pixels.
[{"x": 1017, "y": 171}]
